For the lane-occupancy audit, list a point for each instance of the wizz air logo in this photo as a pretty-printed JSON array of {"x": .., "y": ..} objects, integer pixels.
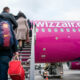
[{"x": 57, "y": 23}]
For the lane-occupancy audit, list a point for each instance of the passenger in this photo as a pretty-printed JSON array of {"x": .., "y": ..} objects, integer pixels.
[
  {"x": 6, "y": 54},
  {"x": 22, "y": 30},
  {"x": 30, "y": 27}
]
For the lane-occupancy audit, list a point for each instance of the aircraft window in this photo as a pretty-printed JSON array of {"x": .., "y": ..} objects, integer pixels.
[
  {"x": 37, "y": 30},
  {"x": 56, "y": 30},
  {"x": 62, "y": 30},
  {"x": 74, "y": 30},
  {"x": 49, "y": 30},
  {"x": 79, "y": 29},
  {"x": 43, "y": 30},
  {"x": 68, "y": 30}
]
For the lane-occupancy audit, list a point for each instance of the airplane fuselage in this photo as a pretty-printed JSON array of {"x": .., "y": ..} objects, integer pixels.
[{"x": 57, "y": 41}]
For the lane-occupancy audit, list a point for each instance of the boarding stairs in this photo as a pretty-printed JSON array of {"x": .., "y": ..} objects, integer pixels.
[{"x": 27, "y": 58}]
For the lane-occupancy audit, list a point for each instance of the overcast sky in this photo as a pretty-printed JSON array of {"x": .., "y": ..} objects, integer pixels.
[{"x": 45, "y": 9}]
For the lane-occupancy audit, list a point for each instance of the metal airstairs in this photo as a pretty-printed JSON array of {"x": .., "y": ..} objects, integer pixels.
[{"x": 27, "y": 58}]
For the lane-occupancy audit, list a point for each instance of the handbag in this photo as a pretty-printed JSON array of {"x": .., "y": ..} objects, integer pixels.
[{"x": 16, "y": 70}]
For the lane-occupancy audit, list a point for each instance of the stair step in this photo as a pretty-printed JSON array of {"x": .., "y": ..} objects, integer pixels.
[
  {"x": 24, "y": 51},
  {"x": 24, "y": 62},
  {"x": 27, "y": 46},
  {"x": 24, "y": 57},
  {"x": 25, "y": 54},
  {"x": 26, "y": 66},
  {"x": 27, "y": 72}
]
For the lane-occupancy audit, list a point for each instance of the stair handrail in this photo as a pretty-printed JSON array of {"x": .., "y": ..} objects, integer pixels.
[{"x": 32, "y": 61}]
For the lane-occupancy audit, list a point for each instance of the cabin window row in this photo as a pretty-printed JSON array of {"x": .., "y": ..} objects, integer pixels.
[{"x": 61, "y": 30}]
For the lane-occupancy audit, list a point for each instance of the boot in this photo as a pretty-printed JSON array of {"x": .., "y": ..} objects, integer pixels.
[{"x": 20, "y": 48}]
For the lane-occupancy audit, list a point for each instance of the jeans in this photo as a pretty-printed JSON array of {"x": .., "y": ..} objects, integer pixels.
[{"x": 4, "y": 64}]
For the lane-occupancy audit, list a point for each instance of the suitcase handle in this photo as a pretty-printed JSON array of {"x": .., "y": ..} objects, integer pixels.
[{"x": 16, "y": 57}]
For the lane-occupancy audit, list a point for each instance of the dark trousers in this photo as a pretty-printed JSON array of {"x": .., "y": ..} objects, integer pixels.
[{"x": 4, "y": 64}]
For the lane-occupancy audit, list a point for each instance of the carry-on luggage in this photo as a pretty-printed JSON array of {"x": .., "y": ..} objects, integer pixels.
[{"x": 16, "y": 70}]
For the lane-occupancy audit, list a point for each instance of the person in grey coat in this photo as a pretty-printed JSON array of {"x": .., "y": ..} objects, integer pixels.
[{"x": 22, "y": 30}]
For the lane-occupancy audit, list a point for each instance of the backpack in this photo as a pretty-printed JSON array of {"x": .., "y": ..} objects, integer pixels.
[{"x": 6, "y": 35}]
